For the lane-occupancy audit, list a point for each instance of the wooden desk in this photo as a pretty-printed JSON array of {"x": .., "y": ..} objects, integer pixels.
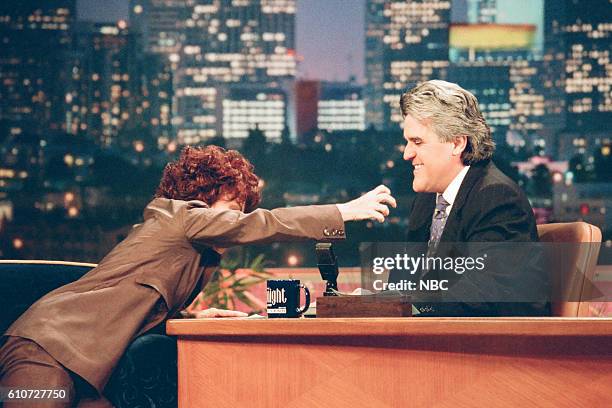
[{"x": 395, "y": 362}]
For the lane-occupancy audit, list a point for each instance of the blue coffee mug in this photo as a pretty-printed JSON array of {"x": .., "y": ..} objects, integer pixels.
[{"x": 283, "y": 298}]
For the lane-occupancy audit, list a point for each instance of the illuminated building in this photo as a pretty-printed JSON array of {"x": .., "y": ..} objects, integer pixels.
[
  {"x": 502, "y": 41},
  {"x": 406, "y": 43},
  {"x": 213, "y": 44},
  {"x": 583, "y": 50},
  {"x": 498, "y": 64},
  {"x": 105, "y": 89},
  {"x": 340, "y": 107},
  {"x": 328, "y": 106},
  {"x": 117, "y": 93},
  {"x": 21, "y": 158},
  {"x": 155, "y": 108},
  {"x": 552, "y": 76},
  {"x": 587, "y": 35},
  {"x": 34, "y": 35},
  {"x": 254, "y": 107},
  {"x": 491, "y": 85},
  {"x": 160, "y": 22}
]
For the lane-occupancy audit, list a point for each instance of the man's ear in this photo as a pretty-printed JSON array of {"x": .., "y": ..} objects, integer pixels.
[{"x": 459, "y": 145}]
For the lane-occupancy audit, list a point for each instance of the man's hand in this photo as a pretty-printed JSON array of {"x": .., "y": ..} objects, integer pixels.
[
  {"x": 371, "y": 205},
  {"x": 214, "y": 312}
]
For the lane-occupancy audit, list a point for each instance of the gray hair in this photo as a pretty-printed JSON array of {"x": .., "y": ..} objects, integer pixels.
[{"x": 451, "y": 111}]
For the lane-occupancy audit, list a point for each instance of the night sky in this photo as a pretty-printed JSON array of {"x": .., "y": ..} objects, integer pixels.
[{"x": 330, "y": 34}]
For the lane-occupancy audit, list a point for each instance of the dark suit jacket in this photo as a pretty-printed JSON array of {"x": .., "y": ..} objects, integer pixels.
[
  {"x": 86, "y": 325},
  {"x": 489, "y": 208}
]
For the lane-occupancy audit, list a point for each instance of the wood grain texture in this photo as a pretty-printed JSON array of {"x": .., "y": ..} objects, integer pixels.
[
  {"x": 488, "y": 366},
  {"x": 364, "y": 306},
  {"x": 424, "y": 326}
]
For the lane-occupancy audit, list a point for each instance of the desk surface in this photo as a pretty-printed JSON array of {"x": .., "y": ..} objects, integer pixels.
[{"x": 424, "y": 326}]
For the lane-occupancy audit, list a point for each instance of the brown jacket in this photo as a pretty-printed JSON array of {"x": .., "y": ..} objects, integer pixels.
[{"x": 86, "y": 325}]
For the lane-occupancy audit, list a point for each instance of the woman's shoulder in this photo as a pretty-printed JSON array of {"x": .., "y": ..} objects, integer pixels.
[{"x": 166, "y": 207}]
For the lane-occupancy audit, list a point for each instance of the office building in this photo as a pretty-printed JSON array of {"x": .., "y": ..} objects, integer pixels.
[
  {"x": 105, "y": 69},
  {"x": 32, "y": 78},
  {"x": 212, "y": 45},
  {"x": 503, "y": 44},
  {"x": 587, "y": 34},
  {"x": 249, "y": 108},
  {"x": 340, "y": 107},
  {"x": 406, "y": 43},
  {"x": 490, "y": 82},
  {"x": 328, "y": 106},
  {"x": 118, "y": 96},
  {"x": 582, "y": 53},
  {"x": 155, "y": 109}
]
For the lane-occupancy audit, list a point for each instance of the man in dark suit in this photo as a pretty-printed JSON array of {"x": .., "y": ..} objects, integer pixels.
[{"x": 464, "y": 199}]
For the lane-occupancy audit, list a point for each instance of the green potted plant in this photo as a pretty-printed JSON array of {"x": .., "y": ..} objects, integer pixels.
[{"x": 232, "y": 284}]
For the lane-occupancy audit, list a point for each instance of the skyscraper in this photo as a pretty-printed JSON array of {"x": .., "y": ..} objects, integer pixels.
[
  {"x": 581, "y": 51},
  {"x": 215, "y": 44},
  {"x": 552, "y": 76},
  {"x": 117, "y": 95},
  {"x": 490, "y": 82},
  {"x": 32, "y": 77},
  {"x": 587, "y": 33},
  {"x": 502, "y": 64},
  {"x": 259, "y": 107},
  {"x": 406, "y": 43},
  {"x": 340, "y": 107},
  {"x": 104, "y": 94}
]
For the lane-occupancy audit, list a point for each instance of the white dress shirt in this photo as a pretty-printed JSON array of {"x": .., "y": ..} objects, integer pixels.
[{"x": 453, "y": 188}]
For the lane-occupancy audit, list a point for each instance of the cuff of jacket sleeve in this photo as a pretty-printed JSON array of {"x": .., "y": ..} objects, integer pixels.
[{"x": 334, "y": 228}]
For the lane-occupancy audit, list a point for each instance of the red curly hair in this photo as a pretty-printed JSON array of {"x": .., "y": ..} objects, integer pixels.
[{"x": 208, "y": 174}]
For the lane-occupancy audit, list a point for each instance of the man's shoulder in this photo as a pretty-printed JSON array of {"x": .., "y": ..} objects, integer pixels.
[
  {"x": 493, "y": 200},
  {"x": 489, "y": 183},
  {"x": 494, "y": 176}
]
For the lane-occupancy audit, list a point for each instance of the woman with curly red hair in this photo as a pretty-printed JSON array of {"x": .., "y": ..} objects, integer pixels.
[
  {"x": 210, "y": 173},
  {"x": 205, "y": 203}
]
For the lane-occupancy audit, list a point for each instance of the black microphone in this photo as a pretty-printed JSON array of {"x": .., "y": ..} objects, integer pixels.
[{"x": 328, "y": 266}]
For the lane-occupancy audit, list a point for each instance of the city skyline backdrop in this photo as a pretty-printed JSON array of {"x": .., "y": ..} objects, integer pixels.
[
  {"x": 90, "y": 112},
  {"x": 330, "y": 34}
]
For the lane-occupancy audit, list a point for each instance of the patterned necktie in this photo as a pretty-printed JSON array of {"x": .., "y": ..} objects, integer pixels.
[{"x": 437, "y": 224}]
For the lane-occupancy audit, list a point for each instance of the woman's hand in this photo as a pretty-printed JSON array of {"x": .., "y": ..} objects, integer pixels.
[
  {"x": 214, "y": 312},
  {"x": 372, "y": 205}
]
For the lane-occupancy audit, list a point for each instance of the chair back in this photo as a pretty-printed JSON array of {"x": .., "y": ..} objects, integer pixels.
[
  {"x": 24, "y": 282},
  {"x": 578, "y": 260}
]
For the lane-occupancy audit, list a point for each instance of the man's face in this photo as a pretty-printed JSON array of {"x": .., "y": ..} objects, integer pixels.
[{"x": 435, "y": 163}]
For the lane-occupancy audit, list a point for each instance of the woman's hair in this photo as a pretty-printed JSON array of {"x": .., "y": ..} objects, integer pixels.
[
  {"x": 450, "y": 111},
  {"x": 209, "y": 174}
]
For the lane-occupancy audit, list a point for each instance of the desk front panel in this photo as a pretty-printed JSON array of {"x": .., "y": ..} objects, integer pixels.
[{"x": 492, "y": 364}]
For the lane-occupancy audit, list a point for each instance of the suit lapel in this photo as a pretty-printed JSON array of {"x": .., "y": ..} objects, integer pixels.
[
  {"x": 451, "y": 228},
  {"x": 419, "y": 222}
]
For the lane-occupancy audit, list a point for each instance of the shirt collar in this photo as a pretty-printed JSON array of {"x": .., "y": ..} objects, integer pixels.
[{"x": 453, "y": 188}]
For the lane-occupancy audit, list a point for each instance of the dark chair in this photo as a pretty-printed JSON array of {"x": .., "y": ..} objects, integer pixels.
[{"x": 146, "y": 375}]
